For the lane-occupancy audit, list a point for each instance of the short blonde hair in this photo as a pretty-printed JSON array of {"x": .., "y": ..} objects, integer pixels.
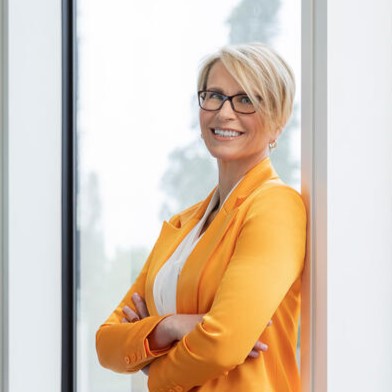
[{"x": 263, "y": 74}]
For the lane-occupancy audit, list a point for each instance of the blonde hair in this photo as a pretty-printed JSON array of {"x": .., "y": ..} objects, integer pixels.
[{"x": 263, "y": 74}]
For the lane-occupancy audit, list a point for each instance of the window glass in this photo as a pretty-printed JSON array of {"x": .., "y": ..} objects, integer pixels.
[{"x": 140, "y": 155}]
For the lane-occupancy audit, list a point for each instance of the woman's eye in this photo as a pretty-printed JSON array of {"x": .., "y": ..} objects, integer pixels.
[
  {"x": 216, "y": 96},
  {"x": 244, "y": 99}
]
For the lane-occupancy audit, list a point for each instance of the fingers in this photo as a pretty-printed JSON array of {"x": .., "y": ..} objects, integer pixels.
[
  {"x": 259, "y": 346},
  {"x": 141, "y": 310},
  {"x": 253, "y": 354},
  {"x": 140, "y": 305},
  {"x": 130, "y": 315}
]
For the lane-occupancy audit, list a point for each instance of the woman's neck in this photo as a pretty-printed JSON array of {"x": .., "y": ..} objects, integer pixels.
[{"x": 231, "y": 172}]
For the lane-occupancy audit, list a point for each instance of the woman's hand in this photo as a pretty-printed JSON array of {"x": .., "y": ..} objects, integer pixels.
[
  {"x": 255, "y": 352},
  {"x": 259, "y": 346},
  {"x": 141, "y": 308}
]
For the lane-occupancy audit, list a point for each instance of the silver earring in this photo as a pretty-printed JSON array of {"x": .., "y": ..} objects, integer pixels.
[{"x": 272, "y": 145}]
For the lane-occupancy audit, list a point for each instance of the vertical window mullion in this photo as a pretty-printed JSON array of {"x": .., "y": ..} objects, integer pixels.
[{"x": 68, "y": 342}]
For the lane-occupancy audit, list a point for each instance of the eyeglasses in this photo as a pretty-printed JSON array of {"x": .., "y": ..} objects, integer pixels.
[{"x": 213, "y": 101}]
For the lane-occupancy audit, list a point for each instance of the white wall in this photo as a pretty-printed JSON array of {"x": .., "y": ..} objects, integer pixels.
[
  {"x": 347, "y": 122},
  {"x": 360, "y": 195},
  {"x": 34, "y": 194}
]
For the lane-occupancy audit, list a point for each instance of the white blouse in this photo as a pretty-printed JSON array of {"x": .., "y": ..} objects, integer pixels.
[{"x": 165, "y": 285}]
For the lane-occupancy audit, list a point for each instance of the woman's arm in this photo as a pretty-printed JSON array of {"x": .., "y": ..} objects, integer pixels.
[
  {"x": 124, "y": 347},
  {"x": 168, "y": 331},
  {"x": 268, "y": 259},
  {"x": 173, "y": 328}
]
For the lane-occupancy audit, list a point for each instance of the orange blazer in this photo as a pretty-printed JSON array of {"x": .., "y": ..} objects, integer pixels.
[{"x": 244, "y": 271}]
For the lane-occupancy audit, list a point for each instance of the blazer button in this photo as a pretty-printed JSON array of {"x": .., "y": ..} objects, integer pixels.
[
  {"x": 127, "y": 360},
  {"x": 133, "y": 357}
]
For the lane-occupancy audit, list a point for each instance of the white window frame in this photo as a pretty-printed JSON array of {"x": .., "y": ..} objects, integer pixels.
[
  {"x": 3, "y": 203},
  {"x": 314, "y": 190},
  {"x": 30, "y": 199}
]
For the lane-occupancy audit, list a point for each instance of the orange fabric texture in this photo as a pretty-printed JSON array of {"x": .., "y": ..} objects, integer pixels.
[{"x": 244, "y": 271}]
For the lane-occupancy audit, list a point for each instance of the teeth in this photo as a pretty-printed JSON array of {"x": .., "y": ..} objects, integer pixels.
[{"x": 226, "y": 133}]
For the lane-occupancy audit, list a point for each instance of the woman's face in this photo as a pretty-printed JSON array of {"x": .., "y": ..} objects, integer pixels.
[{"x": 247, "y": 142}]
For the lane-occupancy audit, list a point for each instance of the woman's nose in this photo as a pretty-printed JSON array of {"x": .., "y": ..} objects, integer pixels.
[{"x": 227, "y": 110}]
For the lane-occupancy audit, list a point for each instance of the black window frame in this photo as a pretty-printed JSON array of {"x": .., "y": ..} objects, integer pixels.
[{"x": 68, "y": 210}]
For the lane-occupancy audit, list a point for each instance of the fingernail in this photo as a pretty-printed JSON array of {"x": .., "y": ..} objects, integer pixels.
[
  {"x": 135, "y": 296},
  {"x": 264, "y": 347}
]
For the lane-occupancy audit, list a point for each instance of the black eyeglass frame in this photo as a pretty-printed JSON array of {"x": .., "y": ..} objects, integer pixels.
[{"x": 224, "y": 99}]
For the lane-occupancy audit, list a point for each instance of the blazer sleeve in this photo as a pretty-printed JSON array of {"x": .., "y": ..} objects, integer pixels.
[
  {"x": 123, "y": 347},
  {"x": 268, "y": 258}
]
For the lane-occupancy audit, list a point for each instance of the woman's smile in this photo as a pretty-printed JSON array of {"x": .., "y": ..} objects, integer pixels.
[{"x": 226, "y": 134}]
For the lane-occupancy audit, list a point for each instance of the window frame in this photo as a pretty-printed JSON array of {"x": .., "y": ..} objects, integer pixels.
[
  {"x": 314, "y": 190},
  {"x": 68, "y": 202},
  {"x": 3, "y": 201},
  {"x": 313, "y": 173}
]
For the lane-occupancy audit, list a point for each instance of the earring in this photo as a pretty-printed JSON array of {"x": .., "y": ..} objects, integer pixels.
[{"x": 272, "y": 145}]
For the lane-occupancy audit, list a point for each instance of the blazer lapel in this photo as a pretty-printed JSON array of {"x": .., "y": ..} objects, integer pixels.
[
  {"x": 188, "y": 282},
  {"x": 169, "y": 239}
]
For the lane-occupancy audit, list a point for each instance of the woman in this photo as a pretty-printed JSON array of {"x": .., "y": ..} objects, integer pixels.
[{"x": 198, "y": 314}]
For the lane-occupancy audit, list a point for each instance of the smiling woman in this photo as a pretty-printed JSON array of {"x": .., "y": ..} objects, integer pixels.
[
  {"x": 140, "y": 157},
  {"x": 270, "y": 91},
  {"x": 236, "y": 139},
  {"x": 223, "y": 268}
]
